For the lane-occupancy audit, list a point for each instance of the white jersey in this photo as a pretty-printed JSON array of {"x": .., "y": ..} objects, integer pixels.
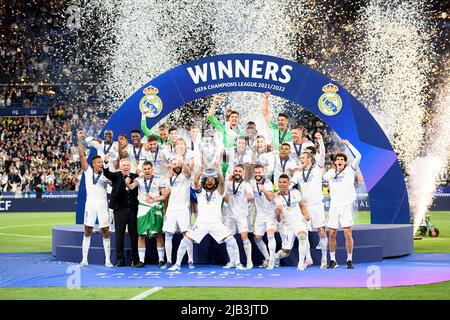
[
  {"x": 297, "y": 149},
  {"x": 103, "y": 149},
  {"x": 237, "y": 197},
  {"x": 310, "y": 184},
  {"x": 151, "y": 187},
  {"x": 283, "y": 166},
  {"x": 291, "y": 213},
  {"x": 234, "y": 158},
  {"x": 342, "y": 186},
  {"x": 209, "y": 207},
  {"x": 96, "y": 186},
  {"x": 158, "y": 159},
  {"x": 179, "y": 186},
  {"x": 263, "y": 206},
  {"x": 137, "y": 156},
  {"x": 265, "y": 159}
]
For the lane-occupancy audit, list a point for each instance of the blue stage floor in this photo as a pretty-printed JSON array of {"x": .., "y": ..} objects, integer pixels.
[{"x": 42, "y": 270}]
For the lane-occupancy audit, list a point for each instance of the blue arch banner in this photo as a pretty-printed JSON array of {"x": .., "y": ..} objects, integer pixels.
[{"x": 298, "y": 83}]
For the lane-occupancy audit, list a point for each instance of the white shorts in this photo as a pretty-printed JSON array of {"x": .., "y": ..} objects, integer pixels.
[
  {"x": 264, "y": 223},
  {"x": 317, "y": 215},
  {"x": 340, "y": 217},
  {"x": 94, "y": 211},
  {"x": 217, "y": 230},
  {"x": 288, "y": 237},
  {"x": 236, "y": 224},
  {"x": 177, "y": 219}
]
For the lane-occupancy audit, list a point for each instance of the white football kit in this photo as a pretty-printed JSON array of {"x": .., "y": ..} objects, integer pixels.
[
  {"x": 177, "y": 214},
  {"x": 158, "y": 159},
  {"x": 96, "y": 199},
  {"x": 342, "y": 193},
  {"x": 292, "y": 218},
  {"x": 236, "y": 215},
  {"x": 309, "y": 182},
  {"x": 265, "y": 209},
  {"x": 209, "y": 217}
]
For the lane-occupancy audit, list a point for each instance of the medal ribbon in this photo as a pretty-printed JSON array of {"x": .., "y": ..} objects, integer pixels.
[
  {"x": 289, "y": 198},
  {"x": 147, "y": 187}
]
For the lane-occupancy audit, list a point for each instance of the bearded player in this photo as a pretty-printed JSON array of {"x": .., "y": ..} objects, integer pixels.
[{"x": 210, "y": 194}]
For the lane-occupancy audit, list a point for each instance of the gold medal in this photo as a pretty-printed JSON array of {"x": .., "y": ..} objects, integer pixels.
[
  {"x": 289, "y": 209},
  {"x": 207, "y": 202}
]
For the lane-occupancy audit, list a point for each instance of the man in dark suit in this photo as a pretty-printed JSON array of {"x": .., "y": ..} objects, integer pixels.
[{"x": 125, "y": 205}]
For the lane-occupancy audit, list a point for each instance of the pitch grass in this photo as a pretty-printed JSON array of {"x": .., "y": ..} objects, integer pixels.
[
  {"x": 436, "y": 291},
  {"x": 39, "y": 224},
  {"x": 30, "y": 232}
]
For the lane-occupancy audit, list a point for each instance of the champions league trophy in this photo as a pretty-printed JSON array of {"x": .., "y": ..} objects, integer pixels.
[{"x": 208, "y": 150}]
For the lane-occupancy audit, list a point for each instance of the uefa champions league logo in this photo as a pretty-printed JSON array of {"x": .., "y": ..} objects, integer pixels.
[
  {"x": 150, "y": 105},
  {"x": 330, "y": 103}
]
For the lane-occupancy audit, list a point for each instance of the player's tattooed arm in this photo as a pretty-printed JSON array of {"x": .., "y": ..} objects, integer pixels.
[
  {"x": 84, "y": 163},
  {"x": 221, "y": 187}
]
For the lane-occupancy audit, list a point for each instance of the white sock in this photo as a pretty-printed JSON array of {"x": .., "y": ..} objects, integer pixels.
[
  {"x": 248, "y": 250},
  {"x": 233, "y": 250},
  {"x": 86, "y": 245},
  {"x": 272, "y": 246},
  {"x": 333, "y": 256},
  {"x": 184, "y": 245},
  {"x": 262, "y": 247},
  {"x": 324, "y": 246},
  {"x": 190, "y": 253},
  {"x": 302, "y": 248},
  {"x": 281, "y": 254},
  {"x": 349, "y": 256},
  {"x": 308, "y": 251},
  {"x": 107, "y": 248},
  {"x": 161, "y": 253},
  {"x": 141, "y": 252},
  {"x": 168, "y": 246}
]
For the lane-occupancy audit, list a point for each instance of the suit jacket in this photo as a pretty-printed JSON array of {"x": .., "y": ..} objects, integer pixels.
[{"x": 119, "y": 188}]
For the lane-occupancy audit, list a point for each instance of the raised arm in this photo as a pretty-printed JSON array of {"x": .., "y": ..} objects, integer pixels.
[
  {"x": 355, "y": 153},
  {"x": 122, "y": 146},
  {"x": 265, "y": 107},
  {"x": 322, "y": 151},
  {"x": 84, "y": 163},
  {"x": 198, "y": 175},
  {"x": 187, "y": 169},
  {"x": 144, "y": 127},
  {"x": 108, "y": 174},
  {"x": 221, "y": 187}
]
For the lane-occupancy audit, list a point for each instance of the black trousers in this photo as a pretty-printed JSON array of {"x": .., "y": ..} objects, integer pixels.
[{"x": 122, "y": 218}]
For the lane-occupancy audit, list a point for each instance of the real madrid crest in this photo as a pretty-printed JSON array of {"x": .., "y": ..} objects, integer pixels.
[
  {"x": 150, "y": 105},
  {"x": 330, "y": 103}
]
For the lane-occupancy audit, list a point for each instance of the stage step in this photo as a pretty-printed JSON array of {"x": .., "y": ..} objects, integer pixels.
[
  {"x": 364, "y": 253},
  {"x": 367, "y": 253},
  {"x": 96, "y": 254}
]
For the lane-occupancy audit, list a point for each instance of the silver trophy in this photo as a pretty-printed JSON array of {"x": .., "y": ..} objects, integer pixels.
[{"x": 208, "y": 149}]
